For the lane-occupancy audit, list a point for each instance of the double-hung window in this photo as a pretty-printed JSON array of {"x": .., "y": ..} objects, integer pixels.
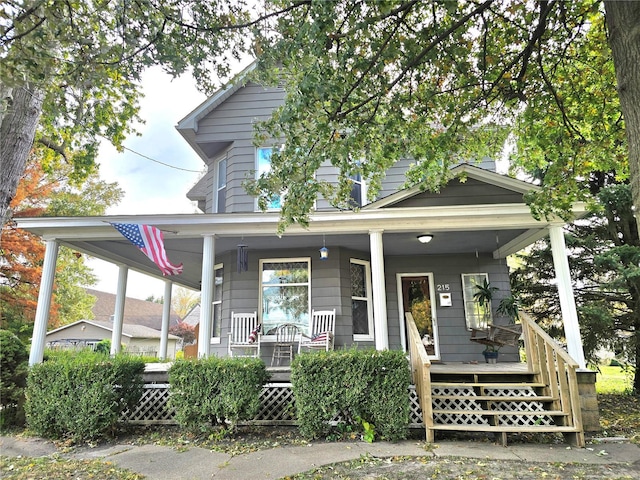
[
  {"x": 361, "y": 309},
  {"x": 285, "y": 293},
  {"x": 476, "y": 315},
  {"x": 263, "y": 166},
  {"x": 358, "y": 191},
  {"x": 217, "y": 303},
  {"x": 221, "y": 185}
]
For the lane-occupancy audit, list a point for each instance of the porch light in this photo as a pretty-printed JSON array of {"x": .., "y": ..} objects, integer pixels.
[
  {"x": 425, "y": 238},
  {"x": 324, "y": 251}
]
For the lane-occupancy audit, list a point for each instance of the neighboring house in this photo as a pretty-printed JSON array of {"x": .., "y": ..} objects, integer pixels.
[
  {"x": 378, "y": 267},
  {"x": 136, "y": 339},
  {"x": 136, "y": 312}
]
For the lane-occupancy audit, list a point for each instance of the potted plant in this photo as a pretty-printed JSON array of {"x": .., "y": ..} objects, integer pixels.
[
  {"x": 491, "y": 354},
  {"x": 509, "y": 308},
  {"x": 484, "y": 295}
]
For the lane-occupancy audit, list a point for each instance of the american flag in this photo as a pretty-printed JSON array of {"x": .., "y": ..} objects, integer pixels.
[{"x": 150, "y": 240}]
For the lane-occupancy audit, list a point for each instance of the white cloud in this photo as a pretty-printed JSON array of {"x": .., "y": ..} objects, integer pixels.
[{"x": 149, "y": 186}]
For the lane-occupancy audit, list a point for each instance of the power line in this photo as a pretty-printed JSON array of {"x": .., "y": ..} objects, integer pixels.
[{"x": 158, "y": 161}]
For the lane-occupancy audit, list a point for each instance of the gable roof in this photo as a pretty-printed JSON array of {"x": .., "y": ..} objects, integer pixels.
[
  {"x": 131, "y": 331},
  {"x": 465, "y": 169},
  {"x": 136, "y": 312}
]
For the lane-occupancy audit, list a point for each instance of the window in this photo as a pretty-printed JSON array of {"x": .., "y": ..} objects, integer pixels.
[
  {"x": 285, "y": 293},
  {"x": 358, "y": 191},
  {"x": 361, "y": 311},
  {"x": 476, "y": 316},
  {"x": 221, "y": 188},
  {"x": 263, "y": 160},
  {"x": 217, "y": 303}
]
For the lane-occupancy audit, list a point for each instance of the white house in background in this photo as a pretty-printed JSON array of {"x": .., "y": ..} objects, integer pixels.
[{"x": 136, "y": 339}]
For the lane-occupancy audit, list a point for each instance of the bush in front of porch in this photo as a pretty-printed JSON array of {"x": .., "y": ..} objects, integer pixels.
[
  {"x": 215, "y": 391},
  {"x": 366, "y": 389},
  {"x": 81, "y": 395}
]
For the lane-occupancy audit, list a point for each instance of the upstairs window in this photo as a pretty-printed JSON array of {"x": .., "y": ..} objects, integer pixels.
[
  {"x": 221, "y": 188},
  {"x": 263, "y": 166}
]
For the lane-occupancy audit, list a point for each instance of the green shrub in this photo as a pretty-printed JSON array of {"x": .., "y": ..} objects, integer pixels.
[
  {"x": 13, "y": 379},
  {"x": 215, "y": 391},
  {"x": 369, "y": 389},
  {"x": 82, "y": 397}
]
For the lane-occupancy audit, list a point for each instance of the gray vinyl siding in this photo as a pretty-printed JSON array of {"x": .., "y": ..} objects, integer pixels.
[
  {"x": 471, "y": 192},
  {"x": 447, "y": 269}
]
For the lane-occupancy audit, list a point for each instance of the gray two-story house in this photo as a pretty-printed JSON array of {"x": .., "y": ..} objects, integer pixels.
[{"x": 408, "y": 251}]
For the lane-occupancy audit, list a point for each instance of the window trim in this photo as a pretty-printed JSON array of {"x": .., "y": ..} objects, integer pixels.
[
  {"x": 359, "y": 337},
  {"x": 216, "y": 340},
  {"x": 258, "y": 173},
  {"x": 363, "y": 189},
  {"x": 218, "y": 188},
  {"x": 468, "y": 315},
  {"x": 262, "y": 261}
]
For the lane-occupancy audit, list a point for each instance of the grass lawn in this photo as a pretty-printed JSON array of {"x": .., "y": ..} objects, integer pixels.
[{"x": 613, "y": 380}]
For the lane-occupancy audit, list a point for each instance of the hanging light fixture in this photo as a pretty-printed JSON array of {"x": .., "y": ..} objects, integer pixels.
[
  {"x": 425, "y": 238},
  {"x": 324, "y": 251}
]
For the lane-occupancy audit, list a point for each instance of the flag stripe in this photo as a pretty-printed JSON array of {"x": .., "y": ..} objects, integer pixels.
[{"x": 150, "y": 240}]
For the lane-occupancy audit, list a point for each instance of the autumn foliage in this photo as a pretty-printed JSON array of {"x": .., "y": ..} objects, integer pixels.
[{"x": 23, "y": 252}]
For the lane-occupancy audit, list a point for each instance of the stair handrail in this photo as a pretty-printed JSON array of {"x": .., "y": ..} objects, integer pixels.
[
  {"x": 421, "y": 374},
  {"x": 537, "y": 340}
]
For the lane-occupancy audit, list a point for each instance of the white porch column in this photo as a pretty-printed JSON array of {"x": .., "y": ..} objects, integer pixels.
[
  {"x": 565, "y": 292},
  {"x": 166, "y": 314},
  {"x": 206, "y": 295},
  {"x": 39, "y": 338},
  {"x": 379, "y": 293},
  {"x": 118, "y": 314}
]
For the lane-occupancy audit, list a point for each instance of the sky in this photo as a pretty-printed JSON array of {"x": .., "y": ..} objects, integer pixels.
[{"x": 150, "y": 187}]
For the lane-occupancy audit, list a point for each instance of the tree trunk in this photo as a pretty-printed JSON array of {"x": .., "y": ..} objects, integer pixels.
[
  {"x": 623, "y": 22},
  {"x": 21, "y": 109}
]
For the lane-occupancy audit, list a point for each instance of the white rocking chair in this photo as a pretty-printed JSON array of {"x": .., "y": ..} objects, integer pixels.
[
  {"x": 323, "y": 326},
  {"x": 244, "y": 335}
]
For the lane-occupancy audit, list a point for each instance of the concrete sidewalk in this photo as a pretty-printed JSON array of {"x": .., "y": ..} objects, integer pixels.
[{"x": 167, "y": 463}]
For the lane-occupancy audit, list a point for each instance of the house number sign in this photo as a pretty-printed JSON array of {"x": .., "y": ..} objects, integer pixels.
[{"x": 443, "y": 287}]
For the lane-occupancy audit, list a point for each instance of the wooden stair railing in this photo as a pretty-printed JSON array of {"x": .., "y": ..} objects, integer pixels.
[
  {"x": 555, "y": 368},
  {"x": 421, "y": 375}
]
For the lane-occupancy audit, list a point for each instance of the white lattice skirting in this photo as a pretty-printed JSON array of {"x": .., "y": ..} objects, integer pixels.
[{"x": 277, "y": 406}]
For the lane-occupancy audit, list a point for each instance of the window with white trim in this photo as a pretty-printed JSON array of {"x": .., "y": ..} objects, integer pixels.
[
  {"x": 476, "y": 315},
  {"x": 358, "y": 191},
  {"x": 285, "y": 293},
  {"x": 217, "y": 303},
  {"x": 263, "y": 166},
  {"x": 361, "y": 311},
  {"x": 221, "y": 186}
]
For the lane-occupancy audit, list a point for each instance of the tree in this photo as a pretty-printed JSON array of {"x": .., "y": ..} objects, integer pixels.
[
  {"x": 368, "y": 83},
  {"x": 604, "y": 257},
  {"x": 185, "y": 331},
  {"x": 183, "y": 300},
  {"x": 70, "y": 71},
  {"x": 23, "y": 253}
]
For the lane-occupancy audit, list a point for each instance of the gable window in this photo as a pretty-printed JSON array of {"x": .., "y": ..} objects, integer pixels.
[
  {"x": 217, "y": 303},
  {"x": 221, "y": 186},
  {"x": 285, "y": 293},
  {"x": 263, "y": 166},
  {"x": 358, "y": 190},
  {"x": 476, "y": 315},
  {"x": 361, "y": 311}
]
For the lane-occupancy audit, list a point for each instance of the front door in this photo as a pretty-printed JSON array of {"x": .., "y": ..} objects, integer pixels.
[{"x": 418, "y": 299}]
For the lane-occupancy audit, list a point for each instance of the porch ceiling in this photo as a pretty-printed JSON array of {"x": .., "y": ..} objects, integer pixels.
[{"x": 500, "y": 229}]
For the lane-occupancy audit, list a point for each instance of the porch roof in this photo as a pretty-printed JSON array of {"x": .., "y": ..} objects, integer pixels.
[{"x": 498, "y": 228}]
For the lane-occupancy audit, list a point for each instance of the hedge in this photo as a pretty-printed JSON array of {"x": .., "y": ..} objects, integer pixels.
[
  {"x": 82, "y": 397},
  {"x": 369, "y": 389},
  {"x": 215, "y": 391},
  {"x": 13, "y": 379}
]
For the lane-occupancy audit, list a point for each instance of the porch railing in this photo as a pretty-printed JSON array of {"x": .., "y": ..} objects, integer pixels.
[
  {"x": 421, "y": 375},
  {"x": 553, "y": 367}
]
